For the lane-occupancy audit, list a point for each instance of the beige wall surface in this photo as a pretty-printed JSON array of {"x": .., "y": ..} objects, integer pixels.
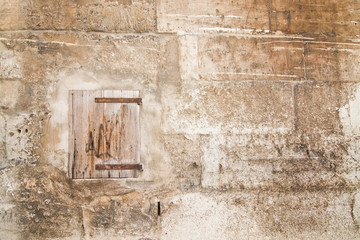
[{"x": 250, "y": 121}]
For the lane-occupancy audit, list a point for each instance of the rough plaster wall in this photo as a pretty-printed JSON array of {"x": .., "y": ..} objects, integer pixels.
[{"x": 249, "y": 125}]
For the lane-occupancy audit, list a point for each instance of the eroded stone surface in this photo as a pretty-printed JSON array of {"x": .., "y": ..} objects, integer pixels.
[
  {"x": 190, "y": 16},
  {"x": 249, "y": 123},
  {"x": 243, "y": 107},
  {"x": 276, "y": 215},
  {"x": 300, "y": 17},
  {"x": 104, "y": 16},
  {"x": 316, "y": 17},
  {"x": 332, "y": 62},
  {"x": 224, "y": 58}
]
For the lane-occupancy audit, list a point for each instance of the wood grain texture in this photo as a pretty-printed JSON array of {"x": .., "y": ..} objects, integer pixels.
[{"x": 103, "y": 133}]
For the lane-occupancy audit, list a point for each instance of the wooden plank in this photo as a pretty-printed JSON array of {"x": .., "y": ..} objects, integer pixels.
[
  {"x": 119, "y": 100},
  {"x": 112, "y": 131},
  {"x": 118, "y": 166},
  {"x": 94, "y": 143},
  {"x": 129, "y": 133},
  {"x": 79, "y": 108},
  {"x": 97, "y": 130},
  {"x": 71, "y": 135}
]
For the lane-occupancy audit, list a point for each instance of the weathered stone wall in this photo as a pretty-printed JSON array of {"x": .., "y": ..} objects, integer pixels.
[{"x": 250, "y": 123}]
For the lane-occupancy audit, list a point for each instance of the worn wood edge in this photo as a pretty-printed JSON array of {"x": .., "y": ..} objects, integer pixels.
[{"x": 70, "y": 136}]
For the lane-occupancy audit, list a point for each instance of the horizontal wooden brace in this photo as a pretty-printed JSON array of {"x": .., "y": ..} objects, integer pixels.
[
  {"x": 118, "y": 166},
  {"x": 119, "y": 100}
]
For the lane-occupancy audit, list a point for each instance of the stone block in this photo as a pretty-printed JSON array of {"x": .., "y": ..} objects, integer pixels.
[
  {"x": 44, "y": 204},
  {"x": 54, "y": 55},
  {"x": 252, "y": 147},
  {"x": 128, "y": 215},
  {"x": 199, "y": 16},
  {"x": 103, "y": 16},
  {"x": 272, "y": 162},
  {"x": 236, "y": 58},
  {"x": 281, "y": 173},
  {"x": 330, "y": 17},
  {"x": 327, "y": 61},
  {"x": 325, "y": 214},
  {"x": 260, "y": 215},
  {"x": 232, "y": 107}
]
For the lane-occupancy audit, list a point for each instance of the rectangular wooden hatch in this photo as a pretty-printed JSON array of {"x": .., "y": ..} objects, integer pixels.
[{"x": 104, "y": 134}]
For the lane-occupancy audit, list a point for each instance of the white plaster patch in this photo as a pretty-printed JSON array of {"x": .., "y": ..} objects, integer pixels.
[
  {"x": 229, "y": 108},
  {"x": 3, "y": 159},
  {"x": 2, "y": 130},
  {"x": 9, "y": 65},
  {"x": 6, "y": 206},
  {"x": 189, "y": 57},
  {"x": 350, "y": 119},
  {"x": 356, "y": 209},
  {"x": 213, "y": 154},
  {"x": 196, "y": 216}
]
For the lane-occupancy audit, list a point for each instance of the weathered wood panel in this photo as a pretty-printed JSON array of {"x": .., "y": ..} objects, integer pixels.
[{"x": 103, "y": 133}]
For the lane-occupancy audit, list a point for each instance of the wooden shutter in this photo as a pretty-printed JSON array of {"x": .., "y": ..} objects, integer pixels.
[{"x": 104, "y": 134}]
